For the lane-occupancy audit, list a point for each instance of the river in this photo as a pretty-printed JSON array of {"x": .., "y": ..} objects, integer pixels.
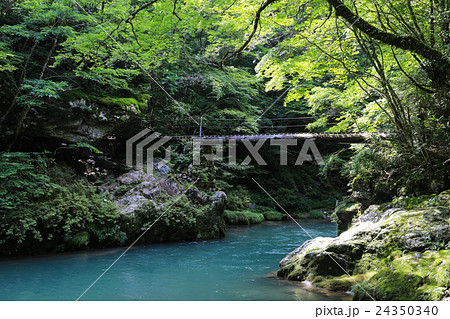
[{"x": 238, "y": 267}]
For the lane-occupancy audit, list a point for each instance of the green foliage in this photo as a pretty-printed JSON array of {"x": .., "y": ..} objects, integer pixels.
[
  {"x": 87, "y": 146},
  {"x": 245, "y": 217},
  {"x": 316, "y": 214},
  {"x": 383, "y": 170},
  {"x": 73, "y": 217},
  {"x": 332, "y": 164},
  {"x": 177, "y": 219},
  {"x": 110, "y": 55},
  {"x": 43, "y": 89},
  {"x": 23, "y": 179},
  {"x": 238, "y": 199},
  {"x": 39, "y": 215}
]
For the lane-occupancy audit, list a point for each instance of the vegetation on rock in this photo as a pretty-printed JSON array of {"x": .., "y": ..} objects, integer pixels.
[{"x": 396, "y": 251}]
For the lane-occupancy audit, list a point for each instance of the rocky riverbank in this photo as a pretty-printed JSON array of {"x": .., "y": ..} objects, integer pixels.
[
  {"x": 183, "y": 211},
  {"x": 395, "y": 251}
]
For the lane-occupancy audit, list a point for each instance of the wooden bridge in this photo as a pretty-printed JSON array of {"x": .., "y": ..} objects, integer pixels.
[{"x": 336, "y": 137}]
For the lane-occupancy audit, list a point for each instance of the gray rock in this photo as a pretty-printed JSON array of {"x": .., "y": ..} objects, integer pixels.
[
  {"x": 131, "y": 177},
  {"x": 139, "y": 195},
  {"x": 219, "y": 200},
  {"x": 161, "y": 168},
  {"x": 378, "y": 233}
]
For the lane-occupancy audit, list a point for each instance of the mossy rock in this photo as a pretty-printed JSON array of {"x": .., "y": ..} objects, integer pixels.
[
  {"x": 272, "y": 215},
  {"x": 389, "y": 284},
  {"x": 407, "y": 250},
  {"x": 122, "y": 189},
  {"x": 409, "y": 203},
  {"x": 138, "y": 101},
  {"x": 242, "y": 217},
  {"x": 413, "y": 276},
  {"x": 344, "y": 215},
  {"x": 342, "y": 283}
]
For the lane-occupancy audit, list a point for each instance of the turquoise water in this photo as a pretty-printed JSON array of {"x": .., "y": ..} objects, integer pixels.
[{"x": 237, "y": 267}]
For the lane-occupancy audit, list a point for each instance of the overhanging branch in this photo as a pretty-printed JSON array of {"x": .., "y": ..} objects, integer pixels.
[
  {"x": 399, "y": 41},
  {"x": 256, "y": 21}
]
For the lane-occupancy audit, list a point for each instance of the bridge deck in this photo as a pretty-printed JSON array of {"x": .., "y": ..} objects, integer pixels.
[{"x": 347, "y": 137}]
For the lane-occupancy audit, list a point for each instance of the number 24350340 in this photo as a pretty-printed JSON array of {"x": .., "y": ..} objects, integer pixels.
[{"x": 407, "y": 310}]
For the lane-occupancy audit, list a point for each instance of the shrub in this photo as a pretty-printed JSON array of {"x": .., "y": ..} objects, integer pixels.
[
  {"x": 238, "y": 199},
  {"x": 270, "y": 214},
  {"x": 23, "y": 179},
  {"x": 40, "y": 216},
  {"x": 242, "y": 218},
  {"x": 316, "y": 214},
  {"x": 73, "y": 217}
]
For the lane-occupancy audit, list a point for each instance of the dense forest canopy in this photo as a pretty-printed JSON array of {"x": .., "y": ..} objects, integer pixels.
[{"x": 324, "y": 66}]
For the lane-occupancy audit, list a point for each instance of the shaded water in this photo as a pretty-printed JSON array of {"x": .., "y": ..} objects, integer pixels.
[{"x": 237, "y": 267}]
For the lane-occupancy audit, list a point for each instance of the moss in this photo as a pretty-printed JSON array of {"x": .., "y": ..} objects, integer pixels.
[
  {"x": 344, "y": 213},
  {"x": 389, "y": 284},
  {"x": 409, "y": 203},
  {"x": 270, "y": 214},
  {"x": 136, "y": 103},
  {"x": 432, "y": 292},
  {"x": 413, "y": 276},
  {"x": 348, "y": 208},
  {"x": 129, "y": 103},
  {"x": 122, "y": 189},
  {"x": 242, "y": 217},
  {"x": 342, "y": 283}
]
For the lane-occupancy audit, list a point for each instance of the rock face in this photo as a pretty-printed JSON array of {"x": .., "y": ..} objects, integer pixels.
[
  {"x": 175, "y": 211},
  {"x": 377, "y": 248},
  {"x": 81, "y": 119},
  {"x": 345, "y": 216}
]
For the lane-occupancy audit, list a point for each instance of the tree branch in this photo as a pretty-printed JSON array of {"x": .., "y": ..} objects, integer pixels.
[
  {"x": 420, "y": 86},
  {"x": 229, "y": 55},
  {"x": 403, "y": 42},
  {"x": 174, "y": 12},
  {"x": 142, "y": 7}
]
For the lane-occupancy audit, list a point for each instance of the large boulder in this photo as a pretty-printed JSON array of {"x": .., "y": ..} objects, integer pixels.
[
  {"x": 381, "y": 237},
  {"x": 171, "y": 208}
]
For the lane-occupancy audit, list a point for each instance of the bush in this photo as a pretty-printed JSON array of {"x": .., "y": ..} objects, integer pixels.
[
  {"x": 23, "y": 179},
  {"x": 242, "y": 218},
  {"x": 40, "y": 216},
  {"x": 238, "y": 199},
  {"x": 270, "y": 214},
  {"x": 74, "y": 217},
  {"x": 316, "y": 214}
]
